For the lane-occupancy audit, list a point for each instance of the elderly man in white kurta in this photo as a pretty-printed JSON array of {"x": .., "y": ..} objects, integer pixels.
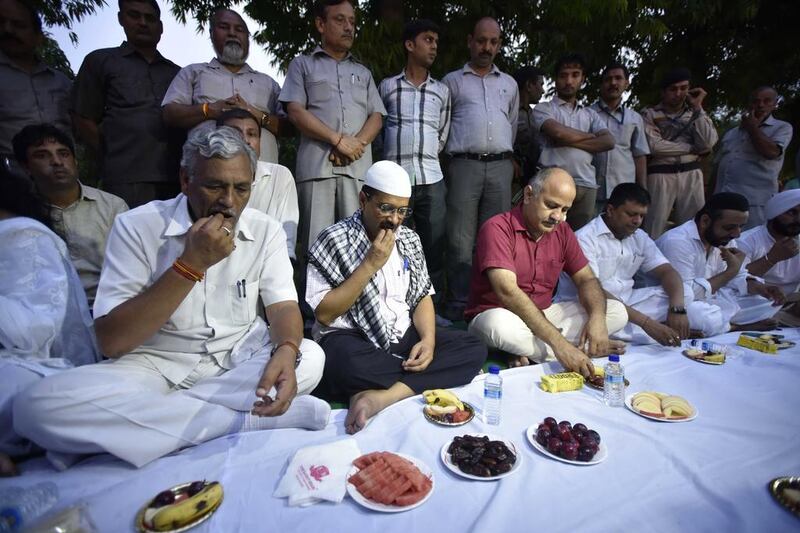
[
  {"x": 617, "y": 250},
  {"x": 704, "y": 254},
  {"x": 176, "y": 314},
  {"x": 773, "y": 249}
]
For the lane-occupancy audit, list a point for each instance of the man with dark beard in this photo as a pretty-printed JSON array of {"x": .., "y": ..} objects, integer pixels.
[
  {"x": 703, "y": 252},
  {"x": 772, "y": 248},
  {"x": 371, "y": 293},
  {"x": 203, "y": 91}
]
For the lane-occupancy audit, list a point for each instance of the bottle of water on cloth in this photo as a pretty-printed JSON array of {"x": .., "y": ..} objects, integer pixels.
[
  {"x": 20, "y": 507},
  {"x": 492, "y": 396},
  {"x": 614, "y": 384}
]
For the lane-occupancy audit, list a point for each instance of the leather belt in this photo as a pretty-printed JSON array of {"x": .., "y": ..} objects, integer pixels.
[
  {"x": 485, "y": 158},
  {"x": 673, "y": 169}
]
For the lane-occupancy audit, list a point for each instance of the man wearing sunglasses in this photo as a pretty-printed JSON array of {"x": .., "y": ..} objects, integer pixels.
[{"x": 369, "y": 285}]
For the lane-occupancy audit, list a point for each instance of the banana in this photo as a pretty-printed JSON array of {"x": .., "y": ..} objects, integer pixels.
[
  {"x": 443, "y": 398},
  {"x": 181, "y": 513},
  {"x": 438, "y": 410}
]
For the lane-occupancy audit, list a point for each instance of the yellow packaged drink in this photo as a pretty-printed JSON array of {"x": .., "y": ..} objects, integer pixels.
[{"x": 562, "y": 382}]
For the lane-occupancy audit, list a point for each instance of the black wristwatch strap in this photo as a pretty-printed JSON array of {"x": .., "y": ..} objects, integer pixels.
[{"x": 677, "y": 310}]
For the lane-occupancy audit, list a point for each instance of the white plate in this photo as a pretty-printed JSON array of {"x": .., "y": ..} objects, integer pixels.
[
  {"x": 381, "y": 507},
  {"x": 599, "y": 457},
  {"x": 629, "y": 405},
  {"x": 454, "y": 467}
]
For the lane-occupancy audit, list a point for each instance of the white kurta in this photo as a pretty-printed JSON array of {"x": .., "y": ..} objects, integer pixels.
[
  {"x": 686, "y": 252},
  {"x": 756, "y": 243},
  {"x": 615, "y": 262},
  {"x": 275, "y": 194},
  {"x": 45, "y": 324},
  {"x": 196, "y": 377}
]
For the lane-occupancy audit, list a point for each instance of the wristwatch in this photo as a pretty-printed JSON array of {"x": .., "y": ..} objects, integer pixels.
[
  {"x": 677, "y": 310},
  {"x": 298, "y": 354}
]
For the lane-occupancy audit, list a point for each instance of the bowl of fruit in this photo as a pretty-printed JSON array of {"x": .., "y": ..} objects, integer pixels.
[
  {"x": 444, "y": 408},
  {"x": 574, "y": 444}
]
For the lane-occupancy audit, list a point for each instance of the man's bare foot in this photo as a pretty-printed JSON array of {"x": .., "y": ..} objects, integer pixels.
[
  {"x": 363, "y": 406},
  {"x": 7, "y": 466},
  {"x": 617, "y": 347},
  {"x": 696, "y": 334},
  {"x": 515, "y": 361},
  {"x": 761, "y": 325}
]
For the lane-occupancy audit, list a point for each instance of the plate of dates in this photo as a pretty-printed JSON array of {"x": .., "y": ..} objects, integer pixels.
[
  {"x": 576, "y": 445},
  {"x": 481, "y": 457}
]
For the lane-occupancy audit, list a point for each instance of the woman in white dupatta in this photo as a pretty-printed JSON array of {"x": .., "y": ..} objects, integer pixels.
[{"x": 45, "y": 325}]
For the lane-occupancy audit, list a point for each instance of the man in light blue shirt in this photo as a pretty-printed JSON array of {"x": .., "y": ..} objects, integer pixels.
[
  {"x": 571, "y": 135},
  {"x": 751, "y": 155},
  {"x": 627, "y": 161},
  {"x": 415, "y": 131},
  {"x": 480, "y": 144}
]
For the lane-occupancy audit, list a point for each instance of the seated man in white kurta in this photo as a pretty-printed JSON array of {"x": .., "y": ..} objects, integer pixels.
[
  {"x": 773, "y": 250},
  {"x": 176, "y": 314},
  {"x": 704, "y": 253},
  {"x": 617, "y": 249}
]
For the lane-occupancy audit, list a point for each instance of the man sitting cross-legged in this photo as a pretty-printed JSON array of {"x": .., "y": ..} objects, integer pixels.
[
  {"x": 176, "y": 314},
  {"x": 617, "y": 249},
  {"x": 370, "y": 288},
  {"x": 519, "y": 257},
  {"x": 704, "y": 253}
]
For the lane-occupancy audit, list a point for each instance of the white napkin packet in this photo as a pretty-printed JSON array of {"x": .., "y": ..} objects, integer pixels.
[{"x": 318, "y": 473}]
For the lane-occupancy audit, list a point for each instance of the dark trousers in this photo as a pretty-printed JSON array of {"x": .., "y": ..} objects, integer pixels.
[
  {"x": 429, "y": 220},
  {"x": 353, "y": 364}
]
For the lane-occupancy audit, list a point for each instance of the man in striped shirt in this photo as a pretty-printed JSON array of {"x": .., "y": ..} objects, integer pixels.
[{"x": 415, "y": 131}]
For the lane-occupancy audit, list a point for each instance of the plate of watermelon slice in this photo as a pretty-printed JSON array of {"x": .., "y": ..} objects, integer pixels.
[{"x": 389, "y": 482}]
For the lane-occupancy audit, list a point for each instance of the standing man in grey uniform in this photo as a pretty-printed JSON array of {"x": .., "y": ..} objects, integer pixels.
[
  {"x": 571, "y": 134},
  {"x": 30, "y": 92},
  {"x": 203, "y": 91},
  {"x": 332, "y": 100},
  {"x": 480, "y": 144},
  {"x": 116, "y": 108},
  {"x": 417, "y": 124},
  {"x": 680, "y": 134},
  {"x": 627, "y": 161},
  {"x": 751, "y": 155}
]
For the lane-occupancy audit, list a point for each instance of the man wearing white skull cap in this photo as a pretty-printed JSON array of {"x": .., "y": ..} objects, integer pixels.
[
  {"x": 369, "y": 286},
  {"x": 772, "y": 248}
]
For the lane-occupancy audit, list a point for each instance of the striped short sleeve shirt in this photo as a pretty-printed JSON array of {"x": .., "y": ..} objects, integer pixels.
[{"x": 416, "y": 126}]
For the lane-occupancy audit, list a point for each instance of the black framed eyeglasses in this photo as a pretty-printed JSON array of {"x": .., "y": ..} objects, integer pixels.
[{"x": 389, "y": 209}]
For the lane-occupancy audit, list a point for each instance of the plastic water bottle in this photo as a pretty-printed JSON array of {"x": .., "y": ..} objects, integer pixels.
[
  {"x": 20, "y": 507},
  {"x": 614, "y": 384},
  {"x": 492, "y": 396}
]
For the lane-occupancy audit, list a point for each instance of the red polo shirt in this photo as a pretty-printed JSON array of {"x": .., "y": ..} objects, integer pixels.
[{"x": 504, "y": 242}]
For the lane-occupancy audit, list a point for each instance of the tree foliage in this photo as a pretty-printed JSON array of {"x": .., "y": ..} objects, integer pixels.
[
  {"x": 66, "y": 12},
  {"x": 731, "y": 46}
]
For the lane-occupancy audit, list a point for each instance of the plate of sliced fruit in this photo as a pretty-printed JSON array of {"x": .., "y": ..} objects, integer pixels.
[
  {"x": 661, "y": 407},
  {"x": 389, "y": 482},
  {"x": 442, "y": 407},
  {"x": 597, "y": 381}
]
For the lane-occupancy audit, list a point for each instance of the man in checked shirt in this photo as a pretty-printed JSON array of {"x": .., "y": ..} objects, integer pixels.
[{"x": 415, "y": 131}]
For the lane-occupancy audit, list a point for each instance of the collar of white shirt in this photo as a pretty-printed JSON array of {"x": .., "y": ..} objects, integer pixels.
[
  {"x": 466, "y": 69},
  {"x": 181, "y": 222}
]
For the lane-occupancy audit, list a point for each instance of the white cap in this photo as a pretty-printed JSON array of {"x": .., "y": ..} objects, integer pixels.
[
  {"x": 390, "y": 178},
  {"x": 782, "y": 202}
]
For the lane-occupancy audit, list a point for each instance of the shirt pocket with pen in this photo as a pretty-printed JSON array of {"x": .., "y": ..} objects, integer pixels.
[{"x": 243, "y": 296}]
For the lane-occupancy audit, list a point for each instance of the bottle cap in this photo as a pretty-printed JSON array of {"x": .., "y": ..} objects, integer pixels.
[
  {"x": 494, "y": 369},
  {"x": 614, "y": 358}
]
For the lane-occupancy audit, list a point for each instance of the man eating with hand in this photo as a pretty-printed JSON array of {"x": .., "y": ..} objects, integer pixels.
[
  {"x": 175, "y": 313},
  {"x": 371, "y": 293}
]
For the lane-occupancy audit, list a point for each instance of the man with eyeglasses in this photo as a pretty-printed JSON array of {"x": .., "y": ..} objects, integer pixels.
[{"x": 369, "y": 286}]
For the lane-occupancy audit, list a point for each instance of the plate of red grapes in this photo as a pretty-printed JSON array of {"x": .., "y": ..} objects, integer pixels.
[{"x": 574, "y": 444}]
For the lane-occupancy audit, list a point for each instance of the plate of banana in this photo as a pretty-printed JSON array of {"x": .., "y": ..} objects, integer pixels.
[
  {"x": 180, "y": 508},
  {"x": 444, "y": 408},
  {"x": 661, "y": 407}
]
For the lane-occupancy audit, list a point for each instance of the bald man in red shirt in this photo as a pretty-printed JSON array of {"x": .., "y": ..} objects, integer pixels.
[{"x": 520, "y": 255}]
